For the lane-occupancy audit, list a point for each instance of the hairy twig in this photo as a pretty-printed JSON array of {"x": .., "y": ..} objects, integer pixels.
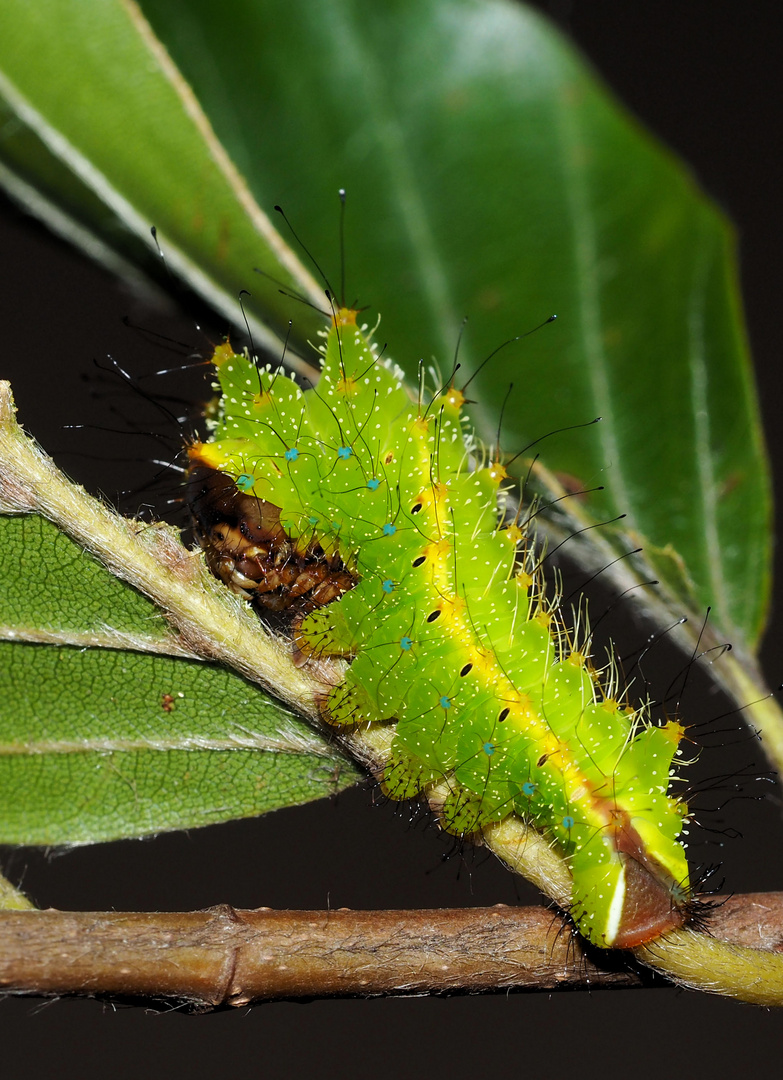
[{"x": 228, "y": 957}]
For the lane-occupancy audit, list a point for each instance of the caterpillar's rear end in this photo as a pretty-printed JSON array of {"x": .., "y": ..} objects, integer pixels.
[{"x": 375, "y": 520}]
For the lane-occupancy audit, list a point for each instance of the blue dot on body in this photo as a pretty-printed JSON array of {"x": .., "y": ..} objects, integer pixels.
[
  {"x": 528, "y": 788},
  {"x": 344, "y": 452},
  {"x": 568, "y": 822},
  {"x": 405, "y": 643},
  {"x": 245, "y": 481},
  {"x": 445, "y": 702},
  {"x": 388, "y": 585},
  {"x": 291, "y": 454},
  {"x": 374, "y": 484},
  {"x": 389, "y": 529},
  {"x": 488, "y": 749}
]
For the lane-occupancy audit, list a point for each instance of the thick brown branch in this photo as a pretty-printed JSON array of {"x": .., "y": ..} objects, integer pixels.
[{"x": 228, "y": 957}]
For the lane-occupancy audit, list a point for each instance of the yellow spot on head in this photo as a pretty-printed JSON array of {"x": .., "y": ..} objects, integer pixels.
[{"x": 497, "y": 473}]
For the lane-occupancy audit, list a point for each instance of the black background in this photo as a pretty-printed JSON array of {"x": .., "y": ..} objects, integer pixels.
[{"x": 706, "y": 77}]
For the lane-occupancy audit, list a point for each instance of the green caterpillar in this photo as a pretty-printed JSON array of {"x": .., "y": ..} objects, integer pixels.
[{"x": 374, "y": 520}]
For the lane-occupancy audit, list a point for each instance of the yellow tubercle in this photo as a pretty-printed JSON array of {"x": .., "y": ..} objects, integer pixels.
[
  {"x": 484, "y": 662},
  {"x": 421, "y": 424},
  {"x": 344, "y": 317},
  {"x": 497, "y": 473},
  {"x": 435, "y": 497},
  {"x": 454, "y": 397},
  {"x": 439, "y": 551},
  {"x": 348, "y": 387},
  {"x": 674, "y": 731},
  {"x": 524, "y": 580},
  {"x": 223, "y": 353},
  {"x": 513, "y": 535},
  {"x": 452, "y": 609}
]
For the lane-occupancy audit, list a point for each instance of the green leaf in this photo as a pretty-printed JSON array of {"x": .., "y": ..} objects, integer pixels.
[
  {"x": 52, "y": 590},
  {"x": 97, "y": 744},
  {"x": 103, "y": 139}
]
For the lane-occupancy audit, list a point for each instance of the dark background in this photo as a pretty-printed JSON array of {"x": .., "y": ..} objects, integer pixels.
[{"x": 707, "y": 80}]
